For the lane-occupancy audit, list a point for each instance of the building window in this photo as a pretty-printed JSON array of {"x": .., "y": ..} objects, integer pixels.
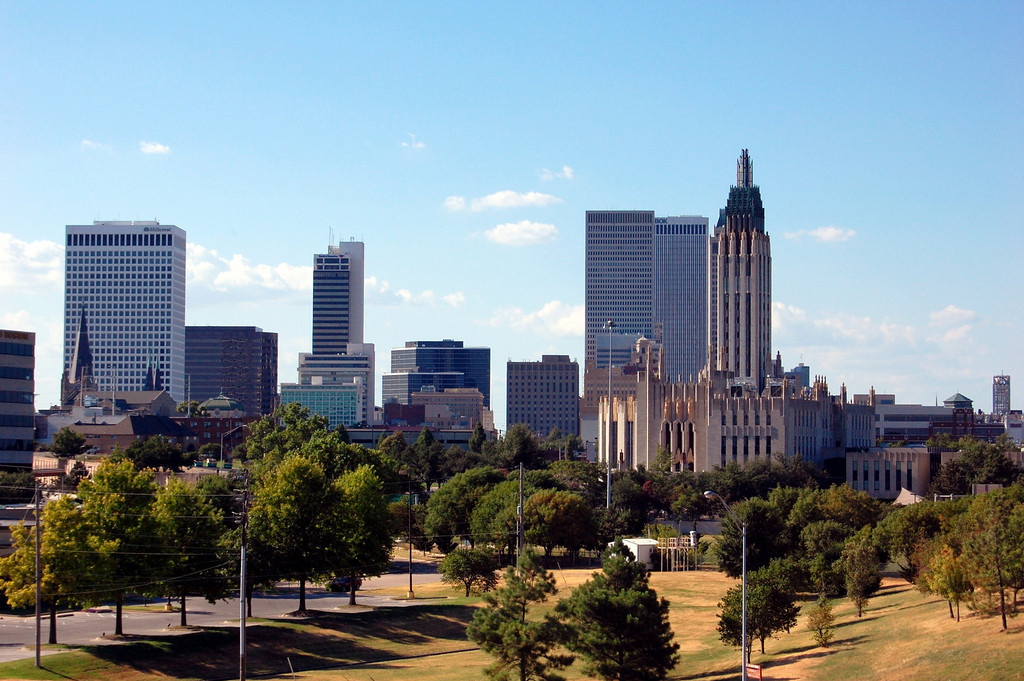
[
  {"x": 899, "y": 474},
  {"x": 855, "y": 474},
  {"x": 887, "y": 488},
  {"x": 910, "y": 477}
]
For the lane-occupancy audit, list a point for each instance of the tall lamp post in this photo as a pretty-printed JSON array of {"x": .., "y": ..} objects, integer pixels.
[
  {"x": 742, "y": 525},
  {"x": 610, "y": 325}
]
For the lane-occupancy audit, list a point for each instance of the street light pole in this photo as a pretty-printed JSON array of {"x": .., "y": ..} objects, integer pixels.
[
  {"x": 743, "y": 631},
  {"x": 610, "y": 325}
]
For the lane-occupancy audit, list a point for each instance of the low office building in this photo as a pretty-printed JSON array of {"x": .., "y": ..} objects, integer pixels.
[
  {"x": 17, "y": 402},
  {"x": 454, "y": 408}
]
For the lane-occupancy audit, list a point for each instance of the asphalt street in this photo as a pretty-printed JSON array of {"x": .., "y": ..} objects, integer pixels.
[{"x": 17, "y": 633}]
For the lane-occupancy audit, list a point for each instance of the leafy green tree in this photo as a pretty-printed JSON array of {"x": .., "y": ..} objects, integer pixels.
[
  {"x": 524, "y": 648},
  {"x": 947, "y": 576},
  {"x": 450, "y": 508},
  {"x": 363, "y": 527},
  {"x": 764, "y": 529},
  {"x": 990, "y": 534},
  {"x": 821, "y": 622},
  {"x": 474, "y": 569},
  {"x": 689, "y": 500},
  {"x": 153, "y": 453},
  {"x": 557, "y": 518},
  {"x": 117, "y": 507},
  {"x": 861, "y": 565},
  {"x": 905, "y": 530},
  {"x": 194, "y": 542},
  {"x": 17, "y": 487},
  {"x": 211, "y": 450},
  {"x": 581, "y": 477},
  {"x": 191, "y": 408},
  {"x": 295, "y": 516},
  {"x": 771, "y": 607},
  {"x": 979, "y": 463},
  {"x": 276, "y": 435},
  {"x": 428, "y": 458},
  {"x": 66, "y": 558},
  {"x": 618, "y": 625},
  {"x": 495, "y": 518},
  {"x": 67, "y": 443},
  {"x": 519, "y": 446},
  {"x": 822, "y": 543}
]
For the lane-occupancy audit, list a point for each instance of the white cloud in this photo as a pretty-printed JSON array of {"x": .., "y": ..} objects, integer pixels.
[
  {"x": 565, "y": 173},
  {"x": 830, "y": 234},
  {"x": 379, "y": 292},
  {"x": 89, "y": 145},
  {"x": 502, "y": 199},
  {"x": 413, "y": 143},
  {"x": 26, "y": 265},
  {"x": 952, "y": 315},
  {"x": 522, "y": 233},
  {"x": 455, "y": 203},
  {"x": 554, "y": 318},
  {"x": 154, "y": 148},
  {"x": 208, "y": 269}
]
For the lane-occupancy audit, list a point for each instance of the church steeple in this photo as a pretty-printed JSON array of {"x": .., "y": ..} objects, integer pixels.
[{"x": 78, "y": 377}]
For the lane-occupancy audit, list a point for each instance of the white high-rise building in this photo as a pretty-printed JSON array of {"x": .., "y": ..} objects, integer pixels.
[
  {"x": 338, "y": 298},
  {"x": 127, "y": 281}
]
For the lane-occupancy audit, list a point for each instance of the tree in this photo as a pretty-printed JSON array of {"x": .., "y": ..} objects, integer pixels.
[
  {"x": 191, "y": 408},
  {"x": 276, "y": 435},
  {"x": 979, "y": 463},
  {"x": 450, "y": 508},
  {"x": 765, "y": 529},
  {"x": 861, "y": 565},
  {"x": 474, "y": 569},
  {"x": 990, "y": 534},
  {"x": 690, "y": 502},
  {"x": 519, "y": 446},
  {"x": 822, "y": 544},
  {"x": 155, "y": 452},
  {"x": 477, "y": 438},
  {"x": 117, "y": 507},
  {"x": 296, "y": 514},
  {"x": 581, "y": 477},
  {"x": 947, "y": 576},
  {"x": 363, "y": 528},
  {"x": 820, "y": 621},
  {"x": 618, "y": 624},
  {"x": 524, "y": 649},
  {"x": 771, "y": 607},
  {"x": 67, "y": 443},
  {"x": 67, "y": 560},
  {"x": 556, "y": 518},
  {"x": 903, "y": 531},
  {"x": 495, "y": 519},
  {"x": 16, "y": 487},
  {"x": 194, "y": 541}
]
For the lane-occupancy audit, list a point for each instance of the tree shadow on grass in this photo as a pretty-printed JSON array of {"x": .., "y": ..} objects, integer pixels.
[
  {"x": 322, "y": 641},
  {"x": 855, "y": 620}
]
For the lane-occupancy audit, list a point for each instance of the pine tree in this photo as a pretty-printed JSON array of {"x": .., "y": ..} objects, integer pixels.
[
  {"x": 524, "y": 649},
  {"x": 618, "y": 624}
]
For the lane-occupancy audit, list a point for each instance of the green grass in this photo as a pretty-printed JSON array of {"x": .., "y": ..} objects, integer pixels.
[{"x": 903, "y": 636}]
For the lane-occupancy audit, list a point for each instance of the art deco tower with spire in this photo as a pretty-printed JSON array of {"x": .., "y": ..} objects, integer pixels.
[{"x": 740, "y": 263}]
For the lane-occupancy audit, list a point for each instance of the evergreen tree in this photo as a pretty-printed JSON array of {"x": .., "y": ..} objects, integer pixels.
[
  {"x": 618, "y": 624},
  {"x": 525, "y": 649}
]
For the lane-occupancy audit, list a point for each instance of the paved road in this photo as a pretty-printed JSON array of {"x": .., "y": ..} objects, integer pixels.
[{"x": 17, "y": 634}]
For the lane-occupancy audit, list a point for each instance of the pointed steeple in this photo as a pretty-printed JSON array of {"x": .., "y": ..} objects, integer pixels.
[{"x": 81, "y": 359}]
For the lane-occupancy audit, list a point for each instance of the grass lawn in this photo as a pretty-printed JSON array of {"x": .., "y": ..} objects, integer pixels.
[{"x": 903, "y": 636}]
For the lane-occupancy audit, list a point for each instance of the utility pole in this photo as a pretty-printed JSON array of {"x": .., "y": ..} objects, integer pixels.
[
  {"x": 39, "y": 594},
  {"x": 519, "y": 518},
  {"x": 241, "y": 582},
  {"x": 412, "y": 594}
]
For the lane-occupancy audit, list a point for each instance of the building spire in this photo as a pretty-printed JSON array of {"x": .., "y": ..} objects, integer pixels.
[{"x": 744, "y": 170}]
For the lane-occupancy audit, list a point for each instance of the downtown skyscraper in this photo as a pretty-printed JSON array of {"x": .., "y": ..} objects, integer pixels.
[
  {"x": 648, "y": 275},
  {"x": 338, "y": 298},
  {"x": 124, "y": 283},
  {"x": 740, "y": 332}
]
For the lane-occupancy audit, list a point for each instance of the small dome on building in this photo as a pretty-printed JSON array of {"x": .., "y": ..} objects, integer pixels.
[{"x": 221, "y": 404}]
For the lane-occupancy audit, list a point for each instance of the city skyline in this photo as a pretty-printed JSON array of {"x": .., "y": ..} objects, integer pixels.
[{"x": 464, "y": 147}]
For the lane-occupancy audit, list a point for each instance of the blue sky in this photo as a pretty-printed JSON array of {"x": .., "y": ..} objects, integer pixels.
[{"x": 463, "y": 142}]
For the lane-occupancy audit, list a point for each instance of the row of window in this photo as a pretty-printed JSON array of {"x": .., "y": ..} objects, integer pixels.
[
  {"x": 120, "y": 239},
  {"x": 866, "y": 480},
  {"x": 17, "y": 373},
  {"x": 17, "y": 349},
  {"x": 17, "y": 420},
  {"x": 16, "y": 396}
]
